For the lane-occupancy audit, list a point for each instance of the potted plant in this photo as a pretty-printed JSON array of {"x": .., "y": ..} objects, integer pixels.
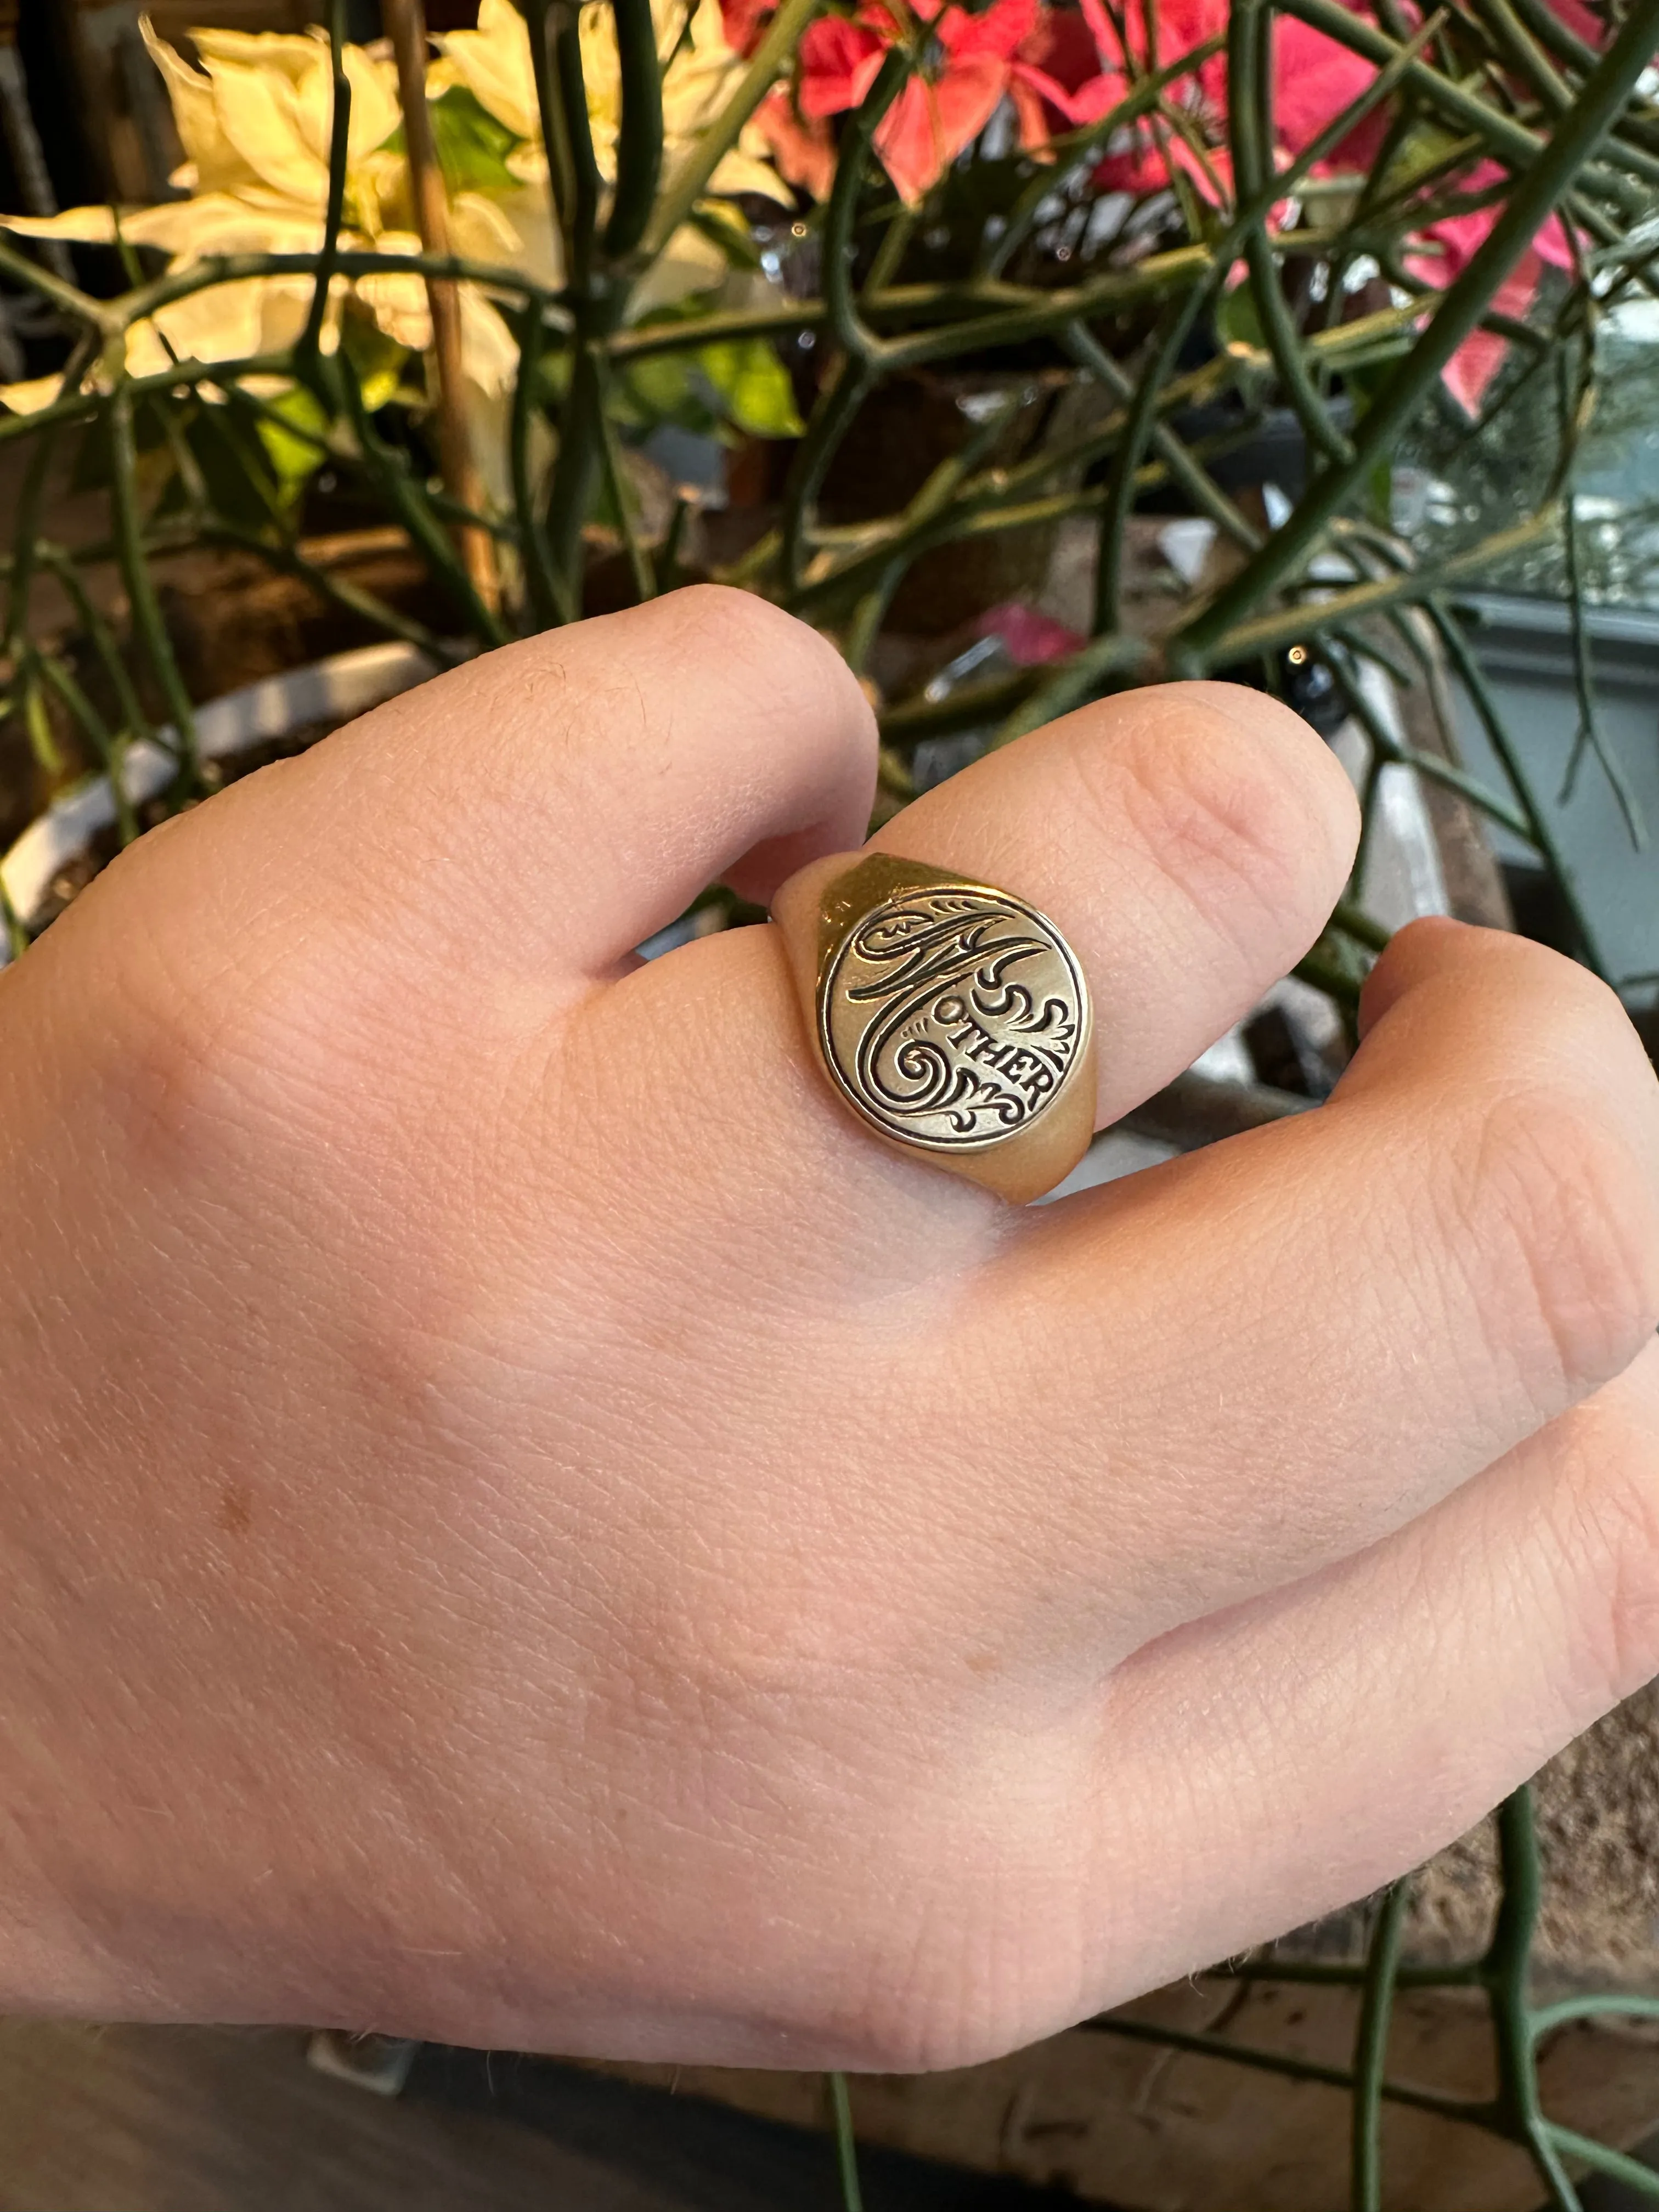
[{"x": 1101, "y": 265}]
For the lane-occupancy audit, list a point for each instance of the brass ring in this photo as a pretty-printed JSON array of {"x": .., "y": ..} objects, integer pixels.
[{"x": 950, "y": 1017}]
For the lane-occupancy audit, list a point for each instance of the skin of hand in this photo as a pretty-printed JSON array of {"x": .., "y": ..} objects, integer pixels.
[{"x": 522, "y": 1524}]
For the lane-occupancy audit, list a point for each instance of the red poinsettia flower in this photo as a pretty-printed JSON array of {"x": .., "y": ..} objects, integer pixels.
[
  {"x": 803, "y": 148},
  {"x": 839, "y": 62},
  {"x": 941, "y": 109},
  {"x": 1063, "y": 68},
  {"x": 744, "y": 21},
  {"x": 1056, "y": 82}
]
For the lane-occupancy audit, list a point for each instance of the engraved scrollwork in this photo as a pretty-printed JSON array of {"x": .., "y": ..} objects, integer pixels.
[{"x": 952, "y": 1016}]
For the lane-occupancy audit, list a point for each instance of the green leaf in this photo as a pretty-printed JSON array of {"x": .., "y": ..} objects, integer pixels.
[
  {"x": 753, "y": 386},
  {"x": 663, "y": 388},
  {"x": 377, "y": 360},
  {"x": 1424, "y": 150},
  {"x": 472, "y": 144},
  {"x": 236, "y": 464},
  {"x": 1238, "y": 320},
  {"x": 292, "y": 457}
]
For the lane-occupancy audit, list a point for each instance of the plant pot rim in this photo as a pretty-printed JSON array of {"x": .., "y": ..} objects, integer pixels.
[{"x": 342, "y": 685}]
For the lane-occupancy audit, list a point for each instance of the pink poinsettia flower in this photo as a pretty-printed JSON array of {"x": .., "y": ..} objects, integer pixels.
[
  {"x": 1315, "y": 78},
  {"x": 1581, "y": 20},
  {"x": 1031, "y": 640},
  {"x": 1443, "y": 250}
]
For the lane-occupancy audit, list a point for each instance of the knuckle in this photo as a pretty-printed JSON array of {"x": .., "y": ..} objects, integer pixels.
[
  {"x": 184, "y": 1072},
  {"x": 726, "y": 624},
  {"x": 1628, "y": 1611},
  {"x": 951, "y": 1975},
  {"x": 1241, "y": 821},
  {"x": 1562, "y": 1235},
  {"x": 1608, "y": 1558},
  {"x": 780, "y": 660},
  {"x": 218, "y": 1030}
]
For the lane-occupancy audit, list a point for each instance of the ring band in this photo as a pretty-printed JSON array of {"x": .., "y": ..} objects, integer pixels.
[{"x": 950, "y": 1017}]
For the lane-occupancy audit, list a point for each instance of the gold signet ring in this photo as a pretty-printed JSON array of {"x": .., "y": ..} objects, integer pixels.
[{"x": 950, "y": 1017}]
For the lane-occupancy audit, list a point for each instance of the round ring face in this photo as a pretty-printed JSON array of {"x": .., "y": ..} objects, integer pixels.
[{"x": 951, "y": 1015}]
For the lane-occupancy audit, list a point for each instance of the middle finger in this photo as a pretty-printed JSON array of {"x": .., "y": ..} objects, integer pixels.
[{"x": 1234, "y": 1369}]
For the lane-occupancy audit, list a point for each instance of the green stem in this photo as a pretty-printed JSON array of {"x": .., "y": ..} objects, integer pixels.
[
  {"x": 1371, "y": 2039},
  {"x": 1374, "y": 936},
  {"x": 973, "y": 707},
  {"x": 1185, "y": 470},
  {"x": 1539, "y": 828},
  {"x": 839, "y": 399},
  {"x": 1074, "y": 153},
  {"x": 1073, "y": 682},
  {"x": 1640, "y": 2179},
  {"x": 1505, "y": 1971},
  {"x": 860, "y": 343},
  {"x": 349, "y": 597},
  {"x": 1331, "y": 1975},
  {"x": 639, "y": 135},
  {"x": 640, "y": 567},
  {"x": 947, "y": 304},
  {"x": 1289, "y": 625},
  {"x": 26, "y": 540},
  {"x": 1250, "y": 123},
  {"x": 1590, "y": 736},
  {"x": 145, "y": 610},
  {"x": 182, "y": 283},
  {"x": 1254, "y": 207},
  {"x": 560, "y": 165},
  {"x": 100, "y": 315},
  {"x": 873, "y": 544},
  {"x": 306, "y": 351},
  {"x": 103, "y": 639},
  {"x": 1386, "y": 750},
  {"x": 76, "y": 406},
  {"x": 576, "y": 473},
  {"x": 1546, "y": 26},
  {"x": 1524, "y": 55},
  {"x": 586, "y": 186},
  {"x": 1501, "y": 134},
  {"x": 550, "y": 601},
  {"x": 1602, "y": 2005},
  {"x": 847, "y": 2150},
  {"x": 1461, "y": 309},
  {"x": 1474, "y": 2112},
  {"x": 108, "y": 748},
  {"x": 390, "y": 473}
]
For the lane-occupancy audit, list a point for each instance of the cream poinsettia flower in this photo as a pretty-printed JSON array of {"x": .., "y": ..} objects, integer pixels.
[
  {"x": 700, "y": 70},
  {"x": 256, "y": 122}
]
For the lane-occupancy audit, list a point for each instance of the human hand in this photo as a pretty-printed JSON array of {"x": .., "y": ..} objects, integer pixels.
[{"x": 523, "y": 1525}]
